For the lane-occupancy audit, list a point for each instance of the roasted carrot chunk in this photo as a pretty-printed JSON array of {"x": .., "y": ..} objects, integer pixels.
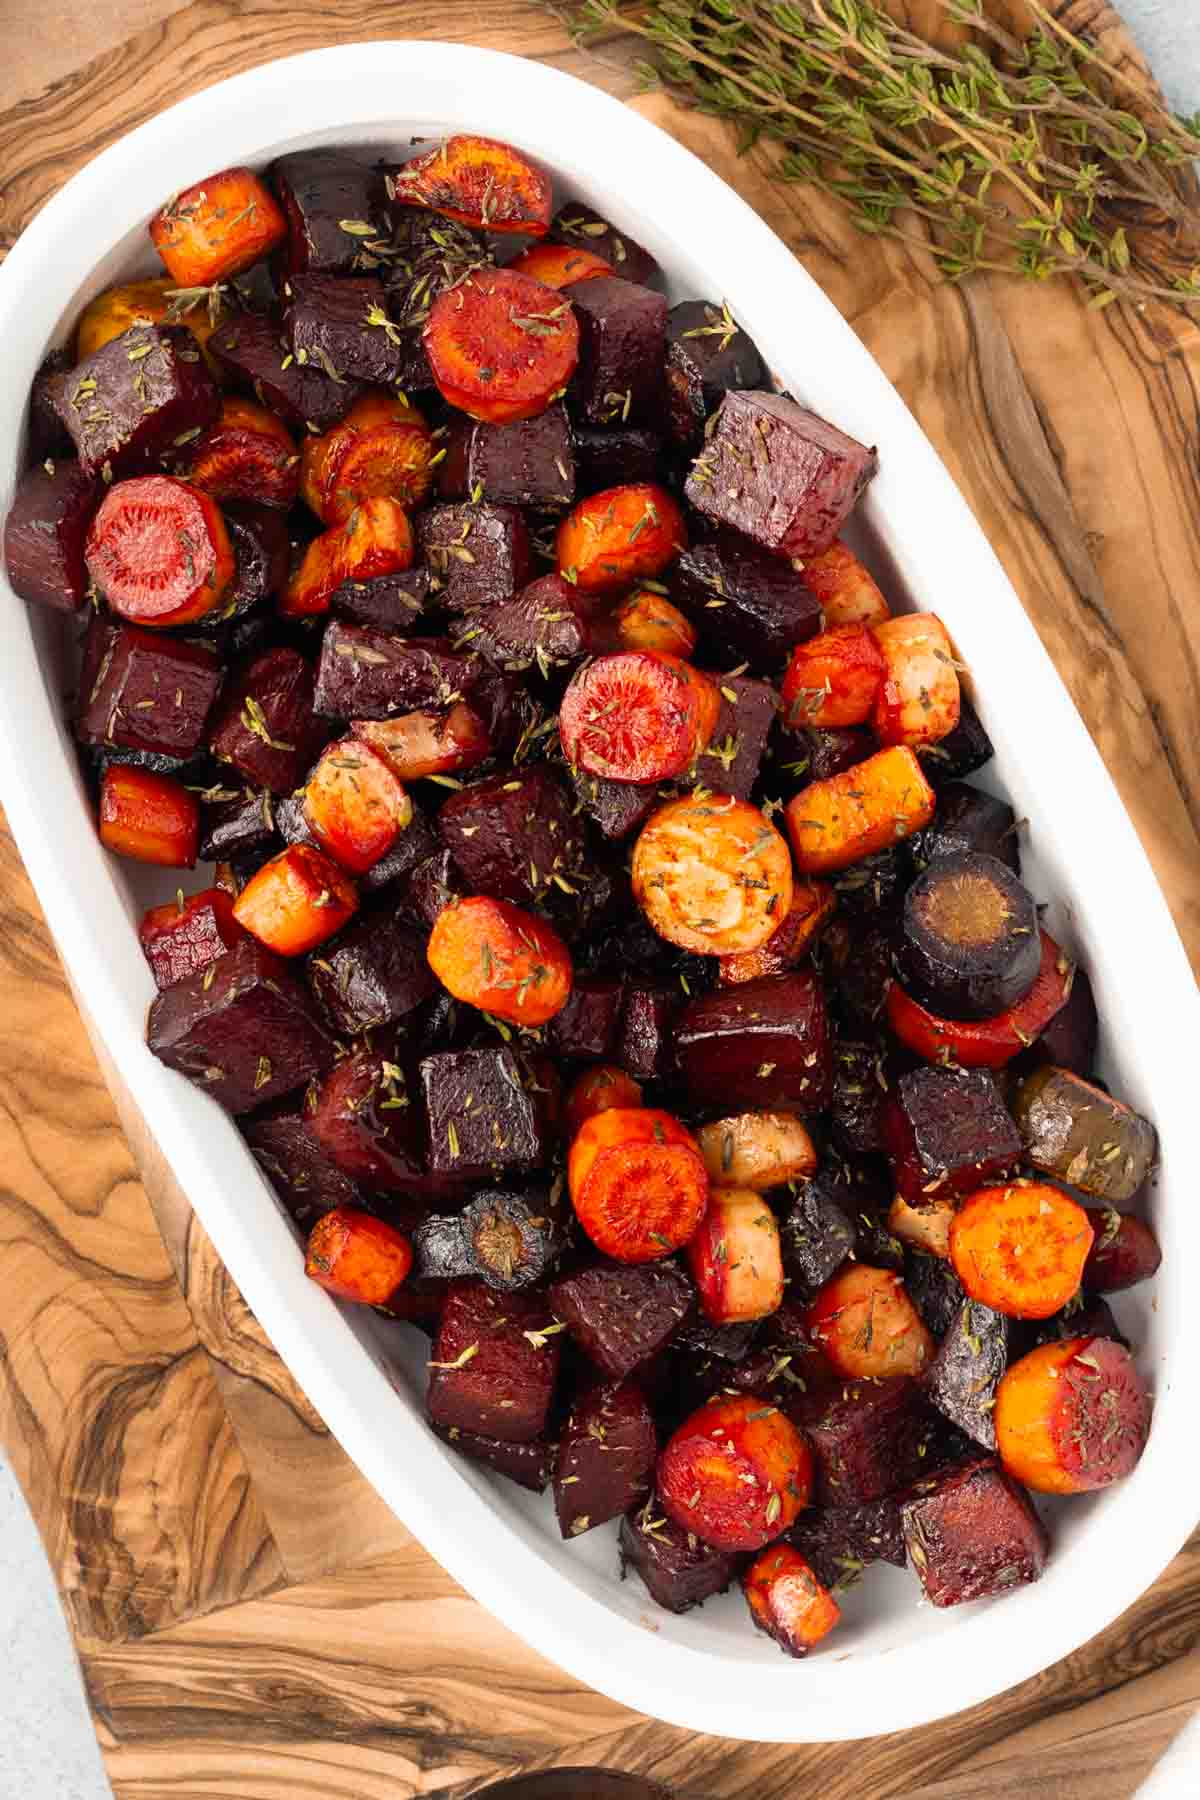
[
  {"x": 1021, "y": 1249},
  {"x": 787, "y": 1601},
  {"x": 354, "y": 805},
  {"x": 187, "y": 934},
  {"x": 918, "y": 700},
  {"x": 1072, "y": 1416},
  {"x": 376, "y": 539},
  {"x": 383, "y": 446},
  {"x": 598, "y": 1090},
  {"x": 149, "y": 818},
  {"x": 296, "y": 901},
  {"x": 812, "y": 904},
  {"x": 157, "y": 302},
  {"x": 647, "y": 621},
  {"x": 501, "y": 959},
  {"x": 737, "y": 1473},
  {"x": 501, "y": 346},
  {"x": 833, "y": 679},
  {"x": 558, "y": 265},
  {"x": 712, "y": 874},
  {"x": 866, "y": 1324},
  {"x": 159, "y": 552},
  {"x": 418, "y": 744},
  {"x": 736, "y": 1258},
  {"x": 620, "y": 536},
  {"x": 637, "y": 716},
  {"x": 847, "y": 592},
  {"x": 478, "y": 181},
  {"x": 247, "y": 455},
  {"x": 984, "y": 1043},
  {"x": 638, "y": 1183},
  {"x": 758, "y": 1150},
  {"x": 866, "y": 808},
  {"x": 357, "y": 1257},
  {"x": 217, "y": 228}
]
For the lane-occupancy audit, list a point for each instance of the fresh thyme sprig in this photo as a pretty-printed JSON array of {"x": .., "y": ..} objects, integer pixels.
[{"x": 1019, "y": 154}]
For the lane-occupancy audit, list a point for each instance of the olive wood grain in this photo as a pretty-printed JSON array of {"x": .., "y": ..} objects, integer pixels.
[{"x": 253, "y": 1623}]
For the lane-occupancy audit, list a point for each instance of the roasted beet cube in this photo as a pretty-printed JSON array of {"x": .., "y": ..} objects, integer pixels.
[
  {"x": 481, "y": 1116},
  {"x": 971, "y": 1532},
  {"x": 414, "y": 845},
  {"x": 130, "y": 402},
  {"x": 48, "y": 436},
  {"x": 607, "y": 456},
  {"x": 754, "y": 606},
  {"x": 372, "y": 973},
  {"x": 492, "y": 1371},
  {"x": 948, "y": 1132},
  {"x": 707, "y": 354},
  {"x": 236, "y": 823},
  {"x": 934, "y": 1289},
  {"x": 865, "y": 1437},
  {"x": 818, "y": 1232},
  {"x": 244, "y": 1029},
  {"x": 183, "y": 937},
  {"x": 622, "y": 1316},
  {"x": 329, "y": 200},
  {"x": 265, "y": 724},
  {"x": 873, "y": 887},
  {"x": 250, "y": 347},
  {"x": 434, "y": 883},
  {"x": 1069, "y": 1040},
  {"x": 531, "y": 463},
  {"x": 368, "y": 1120},
  {"x": 141, "y": 690},
  {"x": 622, "y": 351},
  {"x": 762, "y": 1044},
  {"x": 478, "y": 556},
  {"x": 549, "y": 623},
  {"x": 365, "y": 673},
  {"x": 619, "y": 808},
  {"x": 839, "y": 1542},
  {"x": 305, "y": 1180},
  {"x": 390, "y": 601},
  {"x": 44, "y": 535},
  {"x": 779, "y": 474},
  {"x": 578, "y": 224},
  {"x": 606, "y": 1456},
  {"x": 963, "y": 1377},
  {"x": 514, "y": 836},
  {"x": 341, "y": 326},
  {"x": 817, "y": 753},
  {"x": 967, "y": 819},
  {"x": 259, "y": 535},
  {"x": 860, "y": 1086},
  {"x": 963, "y": 750},
  {"x": 587, "y": 1027},
  {"x": 677, "y": 1570},
  {"x": 645, "y": 1047},
  {"x": 528, "y": 1465},
  {"x": 731, "y": 763}
]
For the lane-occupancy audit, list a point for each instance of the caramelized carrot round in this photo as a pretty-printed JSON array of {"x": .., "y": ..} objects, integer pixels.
[
  {"x": 637, "y": 716},
  {"x": 217, "y": 228},
  {"x": 501, "y": 959},
  {"x": 247, "y": 455},
  {"x": 148, "y": 818},
  {"x": 376, "y": 539},
  {"x": 558, "y": 265},
  {"x": 1021, "y": 1249},
  {"x": 984, "y": 1043},
  {"x": 737, "y": 1473},
  {"x": 712, "y": 875},
  {"x": 638, "y": 1183},
  {"x": 846, "y": 590},
  {"x": 1072, "y": 1416},
  {"x": 357, "y": 1257},
  {"x": 159, "y": 552},
  {"x": 833, "y": 679},
  {"x": 867, "y": 808},
  {"x": 501, "y": 346},
  {"x": 620, "y": 536},
  {"x": 866, "y": 1324},
  {"x": 598, "y": 1090},
  {"x": 354, "y": 805},
  {"x": 418, "y": 744},
  {"x": 296, "y": 901},
  {"x": 648, "y": 621},
  {"x": 787, "y": 1601},
  {"x": 812, "y": 903},
  {"x": 478, "y": 181},
  {"x": 736, "y": 1258},
  {"x": 383, "y": 447}
]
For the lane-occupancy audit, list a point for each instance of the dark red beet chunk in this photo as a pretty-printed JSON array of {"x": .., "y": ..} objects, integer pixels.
[
  {"x": 818, "y": 753},
  {"x": 1069, "y": 1040},
  {"x": 971, "y": 1532},
  {"x": 765, "y": 609},
  {"x": 512, "y": 835},
  {"x": 622, "y": 1316},
  {"x": 374, "y": 972},
  {"x": 873, "y": 887},
  {"x": 967, "y": 819},
  {"x": 129, "y": 402},
  {"x": 481, "y": 1118},
  {"x": 429, "y": 254},
  {"x": 140, "y": 690},
  {"x": 527, "y": 1464},
  {"x": 860, "y": 1086},
  {"x": 235, "y": 823},
  {"x": 320, "y": 191},
  {"x": 818, "y": 1233},
  {"x": 707, "y": 354},
  {"x": 622, "y": 351},
  {"x": 305, "y": 1180},
  {"x": 250, "y": 347},
  {"x": 548, "y": 624},
  {"x": 1124, "y": 1251},
  {"x": 677, "y": 1570},
  {"x": 606, "y": 1456},
  {"x": 764, "y": 1043},
  {"x": 934, "y": 1290},
  {"x": 839, "y": 1542},
  {"x": 337, "y": 324},
  {"x": 781, "y": 475},
  {"x": 960, "y": 752},
  {"x": 478, "y": 556},
  {"x": 265, "y": 725},
  {"x": 365, "y": 673},
  {"x": 510, "y": 1240},
  {"x": 864, "y": 974},
  {"x": 531, "y": 463},
  {"x": 619, "y": 808},
  {"x": 368, "y": 1121},
  {"x": 948, "y": 1132},
  {"x": 491, "y": 1371},
  {"x": 434, "y": 883},
  {"x": 731, "y": 763},
  {"x": 963, "y": 1377},
  {"x": 578, "y": 224},
  {"x": 865, "y": 1437},
  {"x": 247, "y": 1034},
  {"x": 645, "y": 1048},
  {"x": 179, "y": 941},
  {"x": 390, "y": 601},
  {"x": 44, "y": 535},
  {"x": 606, "y": 457},
  {"x": 48, "y": 436},
  {"x": 260, "y": 542},
  {"x": 586, "y": 1029}
]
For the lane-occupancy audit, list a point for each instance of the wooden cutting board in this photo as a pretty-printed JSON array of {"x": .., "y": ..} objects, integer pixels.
[{"x": 251, "y": 1621}]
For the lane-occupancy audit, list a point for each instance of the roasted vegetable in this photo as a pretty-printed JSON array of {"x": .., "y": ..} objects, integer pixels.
[
  {"x": 812, "y": 903},
  {"x": 365, "y": 673},
  {"x": 500, "y": 959},
  {"x": 866, "y": 1436},
  {"x": 646, "y": 1046},
  {"x": 501, "y": 346},
  {"x": 529, "y": 463},
  {"x": 678, "y": 1570},
  {"x": 149, "y": 818},
  {"x": 375, "y": 973},
  {"x": 1072, "y": 1416},
  {"x": 479, "y": 554},
  {"x": 579, "y": 224},
  {"x": 969, "y": 945},
  {"x": 1080, "y": 1134},
  {"x": 1124, "y": 1252},
  {"x": 264, "y": 725},
  {"x": 606, "y": 1456},
  {"x": 1069, "y": 1040},
  {"x": 375, "y": 540},
  {"x": 866, "y": 1324},
  {"x": 249, "y": 350},
  {"x": 382, "y": 447},
  {"x": 736, "y": 1473},
  {"x": 984, "y": 1043},
  {"x": 965, "y": 749},
  {"x": 509, "y": 1239},
  {"x": 637, "y": 716},
  {"x": 818, "y": 1232},
  {"x": 622, "y": 352},
  {"x": 735, "y": 1258},
  {"x": 588, "y": 1027},
  {"x": 619, "y": 536},
  {"x": 513, "y": 836},
  {"x": 328, "y": 202},
  {"x": 296, "y": 901},
  {"x": 757, "y": 1150},
  {"x": 184, "y": 936},
  {"x": 248, "y": 454},
  {"x": 918, "y": 702},
  {"x": 868, "y": 808},
  {"x": 559, "y": 265},
  {"x": 763, "y": 1044},
  {"x": 846, "y": 590},
  {"x": 494, "y": 1364},
  {"x": 131, "y": 401},
  {"x": 839, "y": 1542},
  {"x": 753, "y": 604},
  {"x": 354, "y": 805},
  {"x": 429, "y": 742},
  {"x": 712, "y": 875},
  {"x": 597, "y": 1090},
  {"x": 527, "y": 1464},
  {"x": 947, "y": 1133},
  {"x": 607, "y": 456},
  {"x": 732, "y": 761},
  {"x": 45, "y": 535},
  {"x": 622, "y": 1315},
  {"x": 159, "y": 552},
  {"x": 787, "y": 1601},
  {"x": 156, "y": 302},
  {"x": 923, "y": 1227},
  {"x": 964, "y": 1375},
  {"x": 305, "y": 1180},
  {"x": 1021, "y": 1249},
  {"x": 638, "y": 1183},
  {"x": 833, "y": 679},
  {"x": 971, "y": 1532},
  {"x": 966, "y": 819},
  {"x": 478, "y": 181},
  {"x": 141, "y": 691},
  {"x": 648, "y": 621},
  {"x": 357, "y": 1256},
  {"x": 217, "y": 228},
  {"x": 482, "y": 1117},
  {"x": 365, "y": 1120},
  {"x": 707, "y": 354}
]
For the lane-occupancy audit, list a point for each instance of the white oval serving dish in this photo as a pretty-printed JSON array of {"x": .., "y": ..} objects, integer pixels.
[{"x": 894, "y": 1663}]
